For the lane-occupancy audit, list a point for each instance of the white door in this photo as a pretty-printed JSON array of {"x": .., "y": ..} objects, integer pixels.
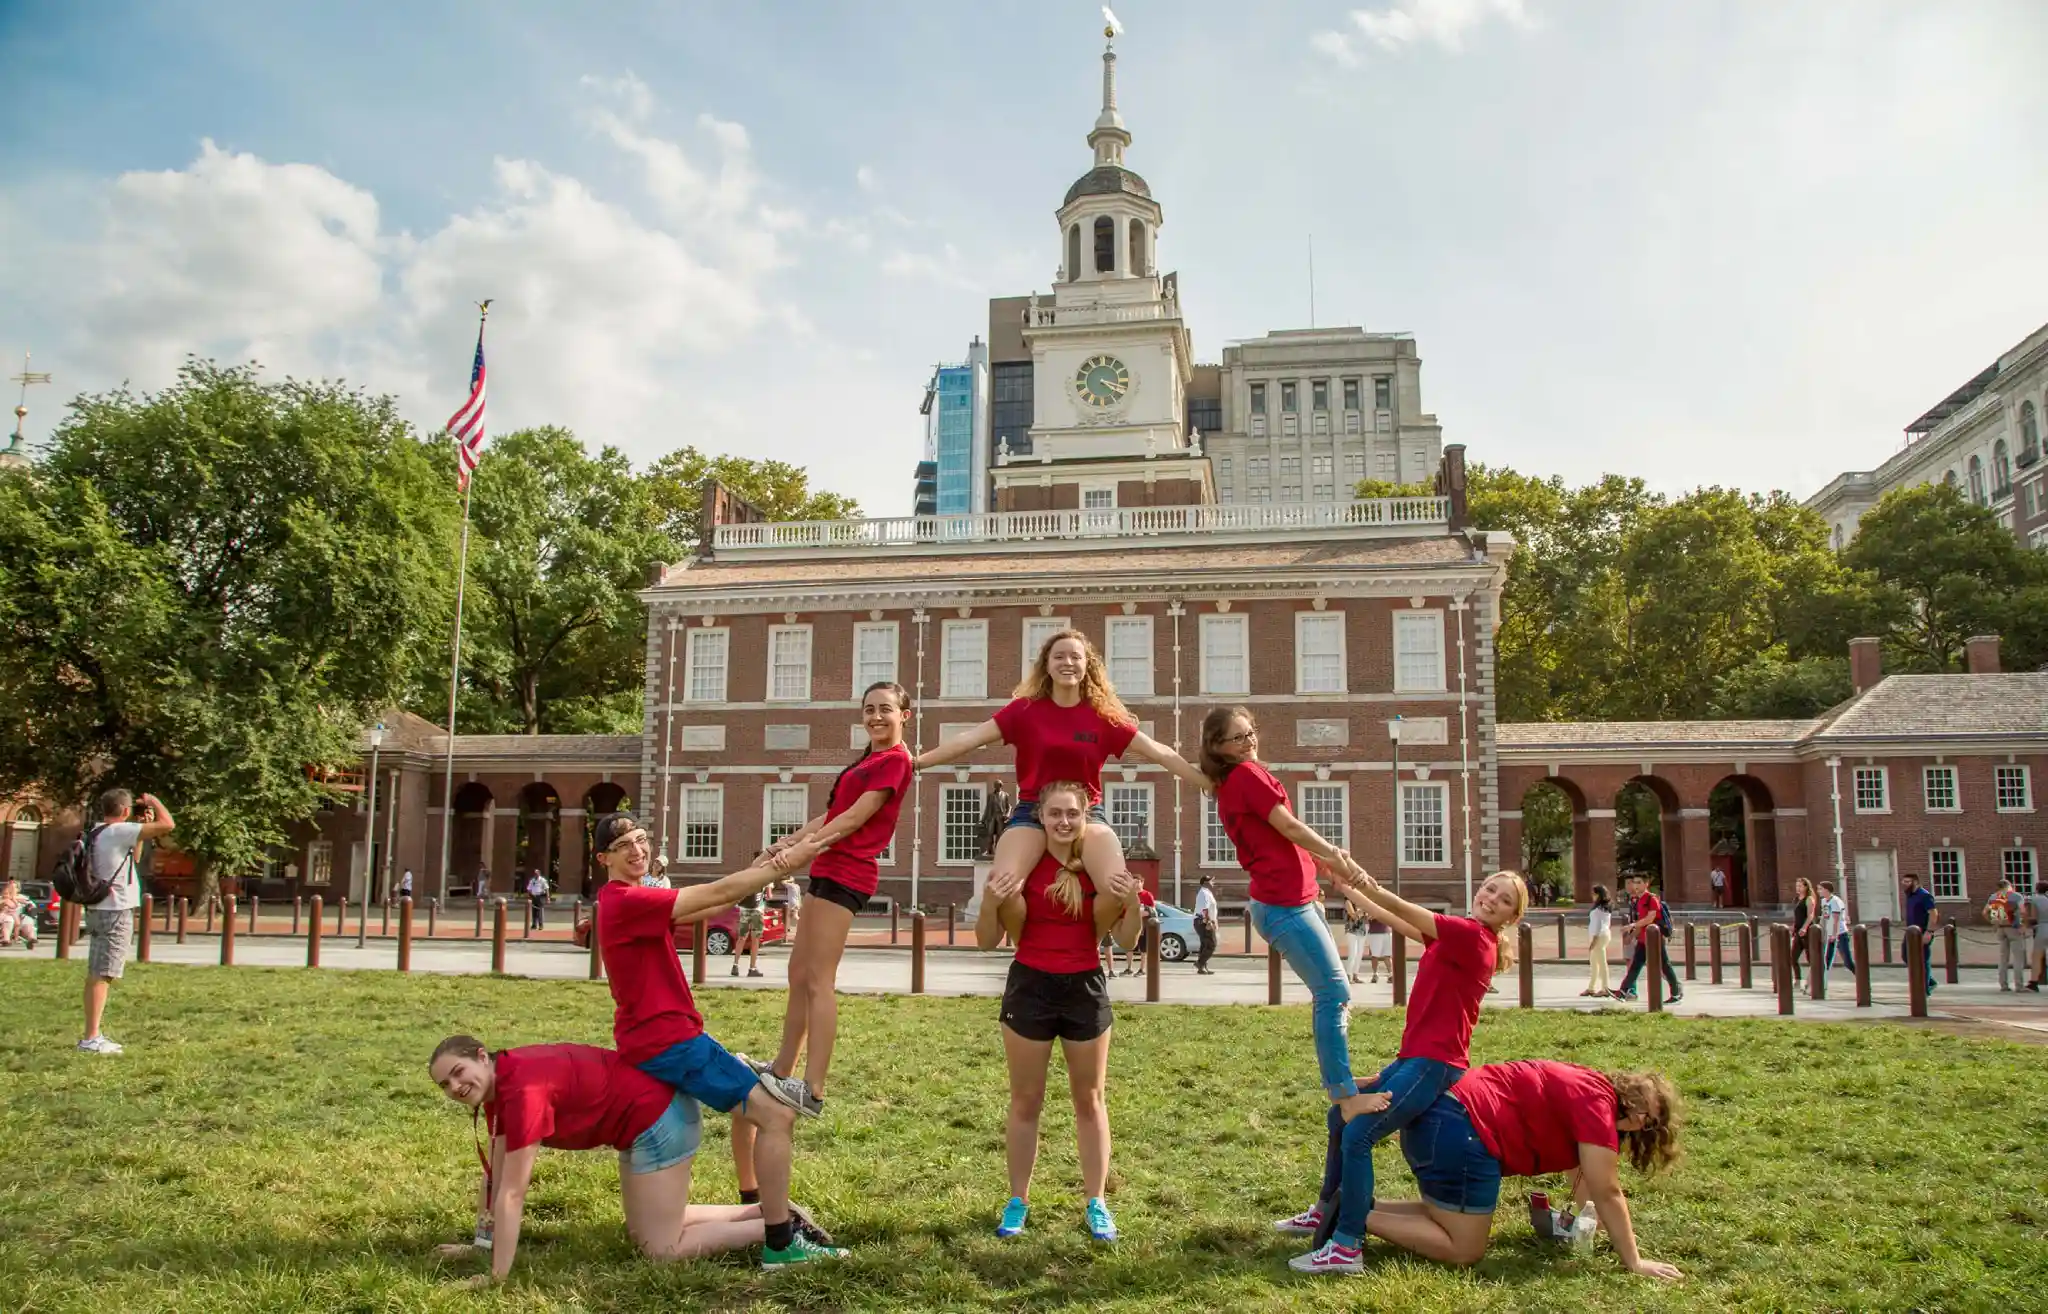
[
  {"x": 22, "y": 854},
  {"x": 1877, "y": 890},
  {"x": 358, "y": 864}
]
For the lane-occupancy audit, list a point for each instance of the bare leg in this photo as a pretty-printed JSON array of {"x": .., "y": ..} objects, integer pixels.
[
  {"x": 95, "y": 1003},
  {"x": 662, "y": 1224},
  {"x": 773, "y": 1122},
  {"x": 1018, "y": 849},
  {"x": 753, "y": 953},
  {"x": 1101, "y": 854},
  {"x": 813, "y": 1009},
  {"x": 1432, "y": 1233},
  {"x": 1087, "y": 1075},
  {"x": 1028, "y": 1061},
  {"x": 743, "y": 1157}
]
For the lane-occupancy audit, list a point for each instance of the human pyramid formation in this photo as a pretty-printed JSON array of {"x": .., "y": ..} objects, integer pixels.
[{"x": 1057, "y": 885}]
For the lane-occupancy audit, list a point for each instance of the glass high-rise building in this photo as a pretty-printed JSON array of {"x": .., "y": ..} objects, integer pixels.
[{"x": 956, "y": 433}]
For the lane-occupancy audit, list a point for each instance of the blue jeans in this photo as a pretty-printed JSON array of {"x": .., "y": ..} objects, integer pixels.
[
  {"x": 1840, "y": 944},
  {"x": 1303, "y": 939},
  {"x": 1452, "y": 1166},
  {"x": 1414, "y": 1084}
]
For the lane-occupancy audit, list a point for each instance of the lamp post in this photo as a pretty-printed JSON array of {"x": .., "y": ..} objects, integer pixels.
[
  {"x": 363, "y": 924},
  {"x": 1835, "y": 788},
  {"x": 1394, "y": 733}
]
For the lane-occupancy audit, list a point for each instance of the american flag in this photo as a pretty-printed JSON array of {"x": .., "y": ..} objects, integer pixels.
[{"x": 466, "y": 426}]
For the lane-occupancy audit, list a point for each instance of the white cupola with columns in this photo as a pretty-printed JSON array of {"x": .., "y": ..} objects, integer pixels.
[{"x": 1110, "y": 354}]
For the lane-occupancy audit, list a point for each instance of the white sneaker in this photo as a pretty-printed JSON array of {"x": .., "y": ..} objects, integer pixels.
[
  {"x": 1332, "y": 1258},
  {"x": 98, "y": 1045},
  {"x": 1304, "y": 1223}
]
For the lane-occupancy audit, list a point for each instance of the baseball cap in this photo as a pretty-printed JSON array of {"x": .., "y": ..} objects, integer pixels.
[{"x": 612, "y": 828}]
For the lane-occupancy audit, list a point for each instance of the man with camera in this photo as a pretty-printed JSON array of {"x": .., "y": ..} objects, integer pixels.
[{"x": 112, "y": 847}]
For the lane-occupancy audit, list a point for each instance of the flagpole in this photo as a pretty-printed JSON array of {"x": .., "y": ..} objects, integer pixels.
[{"x": 468, "y": 477}]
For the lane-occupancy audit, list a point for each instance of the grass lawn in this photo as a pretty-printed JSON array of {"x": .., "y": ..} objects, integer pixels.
[{"x": 271, "y": 1142}]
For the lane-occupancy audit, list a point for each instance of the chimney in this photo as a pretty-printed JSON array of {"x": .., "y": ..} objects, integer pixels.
[
  {"x": 1866, "y": 663},
  {"x": 1981, "y": 654},
  {"x": 1450, "y": 482}
]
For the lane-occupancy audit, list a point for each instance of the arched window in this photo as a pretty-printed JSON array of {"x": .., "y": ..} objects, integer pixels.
[
  {"x": 2001, "y": 469},
  {"x": 24, "y": 854},
  {"x": 1073, "y": 252},
  {"x": 2030, "y": 434},
  {"x": 1949, "y": 479},
  {"x": 1138, "y": 261},
  {"x": 1977, "y": 481},
  {"x": 1105, "y": 245}
]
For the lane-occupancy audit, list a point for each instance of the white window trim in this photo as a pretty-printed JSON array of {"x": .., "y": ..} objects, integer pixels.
[
  {"x": 1241, "y": 625},
  {"x": 1955, "y": 781},
  {"x": 683, "y": 821},
  {"x": 2026, "y": 788},
  {"x": 946, "y": 631},
  {"x": 1343, "y": 788},
  {"x": 690, "y": 664},
  {"x": 1962, "y": 894},
  {"x": 768, "y": 794},
  {"x": 1139, "y": 623},
  {"x": 2033, "y": 861},
  {"x": 775, "y": 632},
  {"x": 945, "y": 792},
  {"x": 1305, "y": 620},
  {"x": 1443, "y": 791},
  {"x": 1151, "y": 835},
  {"x": 1098, "y": 488},
  {"x": 861, "y": 683},
  {"x": 1884, "y": 776},
  {"x": 1208, "y": 810},
  {"x": 1049, "y": 624},
  {"x": 1436, "y": 615}
]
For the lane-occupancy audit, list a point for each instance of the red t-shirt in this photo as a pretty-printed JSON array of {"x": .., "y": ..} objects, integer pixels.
[
  {"x": 652, "y": 1005},
  {"x": 1534, "y": 1114},
  {"x": 1282, "y": 875},
  {"x": 572, "y": 1097},
  {"x": 1060, "y": 743},
  {"x": 852, "y": 861},
  {"x": 1450, "y": 982},
  {"x": 1053, "y": 939},
  {"x": 1648, "y": 906}
]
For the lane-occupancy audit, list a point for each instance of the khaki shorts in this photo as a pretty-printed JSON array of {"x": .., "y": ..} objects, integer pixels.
[{"x": 111, "y": 931}]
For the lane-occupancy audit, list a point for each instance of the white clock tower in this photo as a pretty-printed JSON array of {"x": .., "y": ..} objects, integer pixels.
[{"x": 1110, "y": 353}]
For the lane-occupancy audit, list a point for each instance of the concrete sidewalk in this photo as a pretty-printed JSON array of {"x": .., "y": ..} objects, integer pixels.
[{"x": 1237, "y": 979}]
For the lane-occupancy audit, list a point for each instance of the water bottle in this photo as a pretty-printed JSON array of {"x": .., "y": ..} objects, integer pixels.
[
  {"x": 1583, "y": 1229},
  {"x": 483, "y": 1232}
]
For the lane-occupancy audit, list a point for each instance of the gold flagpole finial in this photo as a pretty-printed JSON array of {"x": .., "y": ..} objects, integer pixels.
[{"x": 483, "y": 308}]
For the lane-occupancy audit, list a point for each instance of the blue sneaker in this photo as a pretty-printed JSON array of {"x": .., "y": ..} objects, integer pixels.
[
  {"x": 1100, "y": 1225},
  {"x": 1014, "y": 1214}
]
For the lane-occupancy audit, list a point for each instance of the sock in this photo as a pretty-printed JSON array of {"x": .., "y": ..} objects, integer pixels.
[
  {"x": 750, "y": 1197},
  {"x": 781, "y": 1234}
]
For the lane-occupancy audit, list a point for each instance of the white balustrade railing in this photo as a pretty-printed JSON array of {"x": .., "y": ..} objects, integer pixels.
[
  {"x": 1111, "y": 523},
  {"x": 1046, "y": 316}
]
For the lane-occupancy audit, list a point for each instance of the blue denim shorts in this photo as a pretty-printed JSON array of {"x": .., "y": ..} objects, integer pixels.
[
  {"x": 1452, "y": 1166},
  {"x": 702, "y": 1068},
  {"x": 1026, "y": 814},
  {"x": 671, "y": 1140}
]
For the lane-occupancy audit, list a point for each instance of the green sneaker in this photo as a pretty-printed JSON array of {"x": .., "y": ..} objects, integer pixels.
[{"x": 802, "y": 1250}]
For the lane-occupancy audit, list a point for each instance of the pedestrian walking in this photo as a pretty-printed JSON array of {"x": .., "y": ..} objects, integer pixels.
[
  {"x": 2006, "y": 914},
  {"x": 1647, "y": 910},
  {"x": 405, "y": 884},
  {"x": 1921, "y": 912},
  {"x": 1599, "y": 934},
  {"x": 1805, "y": 906},
  {"x": 1718, "y": 881},
  {"x": 1356, "y": 914},
  {"x": 1379, "y": 947},
  {"x": 1205, "y": 926},
  {"x": 751, "y": 925},
  {"x": 537, "y": 901},
  {"x": 107, "y": 855},
  {"x": 1834, "y": 927}
]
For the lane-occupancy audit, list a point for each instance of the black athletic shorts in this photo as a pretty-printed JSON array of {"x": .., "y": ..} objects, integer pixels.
[
  {"x": 831, "y": 891},
  {"x": 1055, "y": 1005}
]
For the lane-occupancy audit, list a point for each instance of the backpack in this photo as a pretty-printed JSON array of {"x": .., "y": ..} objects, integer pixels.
[
  {"x": 74, "y": 879},
  {"x": 1663, "y": 916}
]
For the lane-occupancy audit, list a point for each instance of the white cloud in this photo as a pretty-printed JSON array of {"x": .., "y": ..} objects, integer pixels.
[
  {"x": 868, "y": 182},
  {"x": 942, "y": 267},
  {"x": 1442, "y": 23}
]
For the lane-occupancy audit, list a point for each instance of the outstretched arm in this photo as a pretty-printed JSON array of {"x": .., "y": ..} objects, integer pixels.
[
  {"x": 1159, "y": 754},
  {"x": 697, "y": 901},
  {"x": 838, "y": 828},
  {"x": 1415, "y": 922},
  {"x": 161, "y": 824},
  {"x": 1599, "y": 1178},
  {"x": 1301, "y": 836},
  {"x": 982, "y": 736},
  {"x": 1002, "y": 910},
  {"x": 508, "y": 1208}
]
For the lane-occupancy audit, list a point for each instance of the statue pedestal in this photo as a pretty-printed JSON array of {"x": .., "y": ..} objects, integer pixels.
[{"x": 973, "y": 909}]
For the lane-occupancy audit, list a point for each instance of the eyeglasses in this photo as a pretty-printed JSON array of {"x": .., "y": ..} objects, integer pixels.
[
  {"x": 1245, "y": 738},
  {"x": 626, "y": 841}
]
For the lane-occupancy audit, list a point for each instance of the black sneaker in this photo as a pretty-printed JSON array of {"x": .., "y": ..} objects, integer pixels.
[{"x": 1676, "y": 995}]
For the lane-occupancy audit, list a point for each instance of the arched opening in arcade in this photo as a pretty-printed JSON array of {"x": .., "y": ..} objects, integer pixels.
[
  {"x": 1556, "y": 856},
  {"x": 601, "y": 799},
  {"x": 24, "y": 845},
  {"x": 535, "y": 847},
  {"x": 1646, "y": 839},
  {"x": 469, "y": 868},
  {"x": 1743, "y": 843}
]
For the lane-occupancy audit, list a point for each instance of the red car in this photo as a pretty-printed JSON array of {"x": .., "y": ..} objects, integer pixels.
[{"x": 719, "y": 937}]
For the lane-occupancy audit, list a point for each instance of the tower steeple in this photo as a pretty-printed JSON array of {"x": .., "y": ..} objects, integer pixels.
[{"x": 1109, "y": 137}]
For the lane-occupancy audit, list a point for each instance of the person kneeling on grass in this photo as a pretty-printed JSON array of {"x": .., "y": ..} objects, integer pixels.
[
  {"x": 1057, "y": 991},
  {"x": 580, "y": 1097},
  {"x": 657, "y": 1028},
  {"x": 1524, "y": 1119}
]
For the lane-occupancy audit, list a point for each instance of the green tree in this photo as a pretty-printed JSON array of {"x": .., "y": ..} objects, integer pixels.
[
  {"x": 553, "y": 632},
  {"x": 1945, "y": 569},
  {"x": 782, "y": 492},
  {"x": 1775, "y": 687},
  {"x": 209, "y": 589}
]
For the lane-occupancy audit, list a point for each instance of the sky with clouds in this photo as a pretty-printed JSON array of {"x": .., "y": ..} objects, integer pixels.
[{"x": 1739, "y": 242}]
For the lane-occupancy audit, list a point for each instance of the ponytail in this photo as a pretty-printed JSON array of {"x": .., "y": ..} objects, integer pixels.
[{"x": 1067, "y": 889}]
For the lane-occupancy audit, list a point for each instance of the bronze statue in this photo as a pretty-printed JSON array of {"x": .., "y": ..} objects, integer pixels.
[{"x": 994, "y": 816}]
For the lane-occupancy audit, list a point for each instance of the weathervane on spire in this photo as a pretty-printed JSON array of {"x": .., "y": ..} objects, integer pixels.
[
  {"x": 14, "y": 454},
  {"x": 1111, "y": 29}
]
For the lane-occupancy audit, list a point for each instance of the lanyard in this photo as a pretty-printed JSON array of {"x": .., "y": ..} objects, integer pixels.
[{"x": 490, "y": 1193}]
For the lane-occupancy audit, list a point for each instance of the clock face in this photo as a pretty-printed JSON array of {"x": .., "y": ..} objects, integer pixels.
[{"x": 1102, "y": 381}]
